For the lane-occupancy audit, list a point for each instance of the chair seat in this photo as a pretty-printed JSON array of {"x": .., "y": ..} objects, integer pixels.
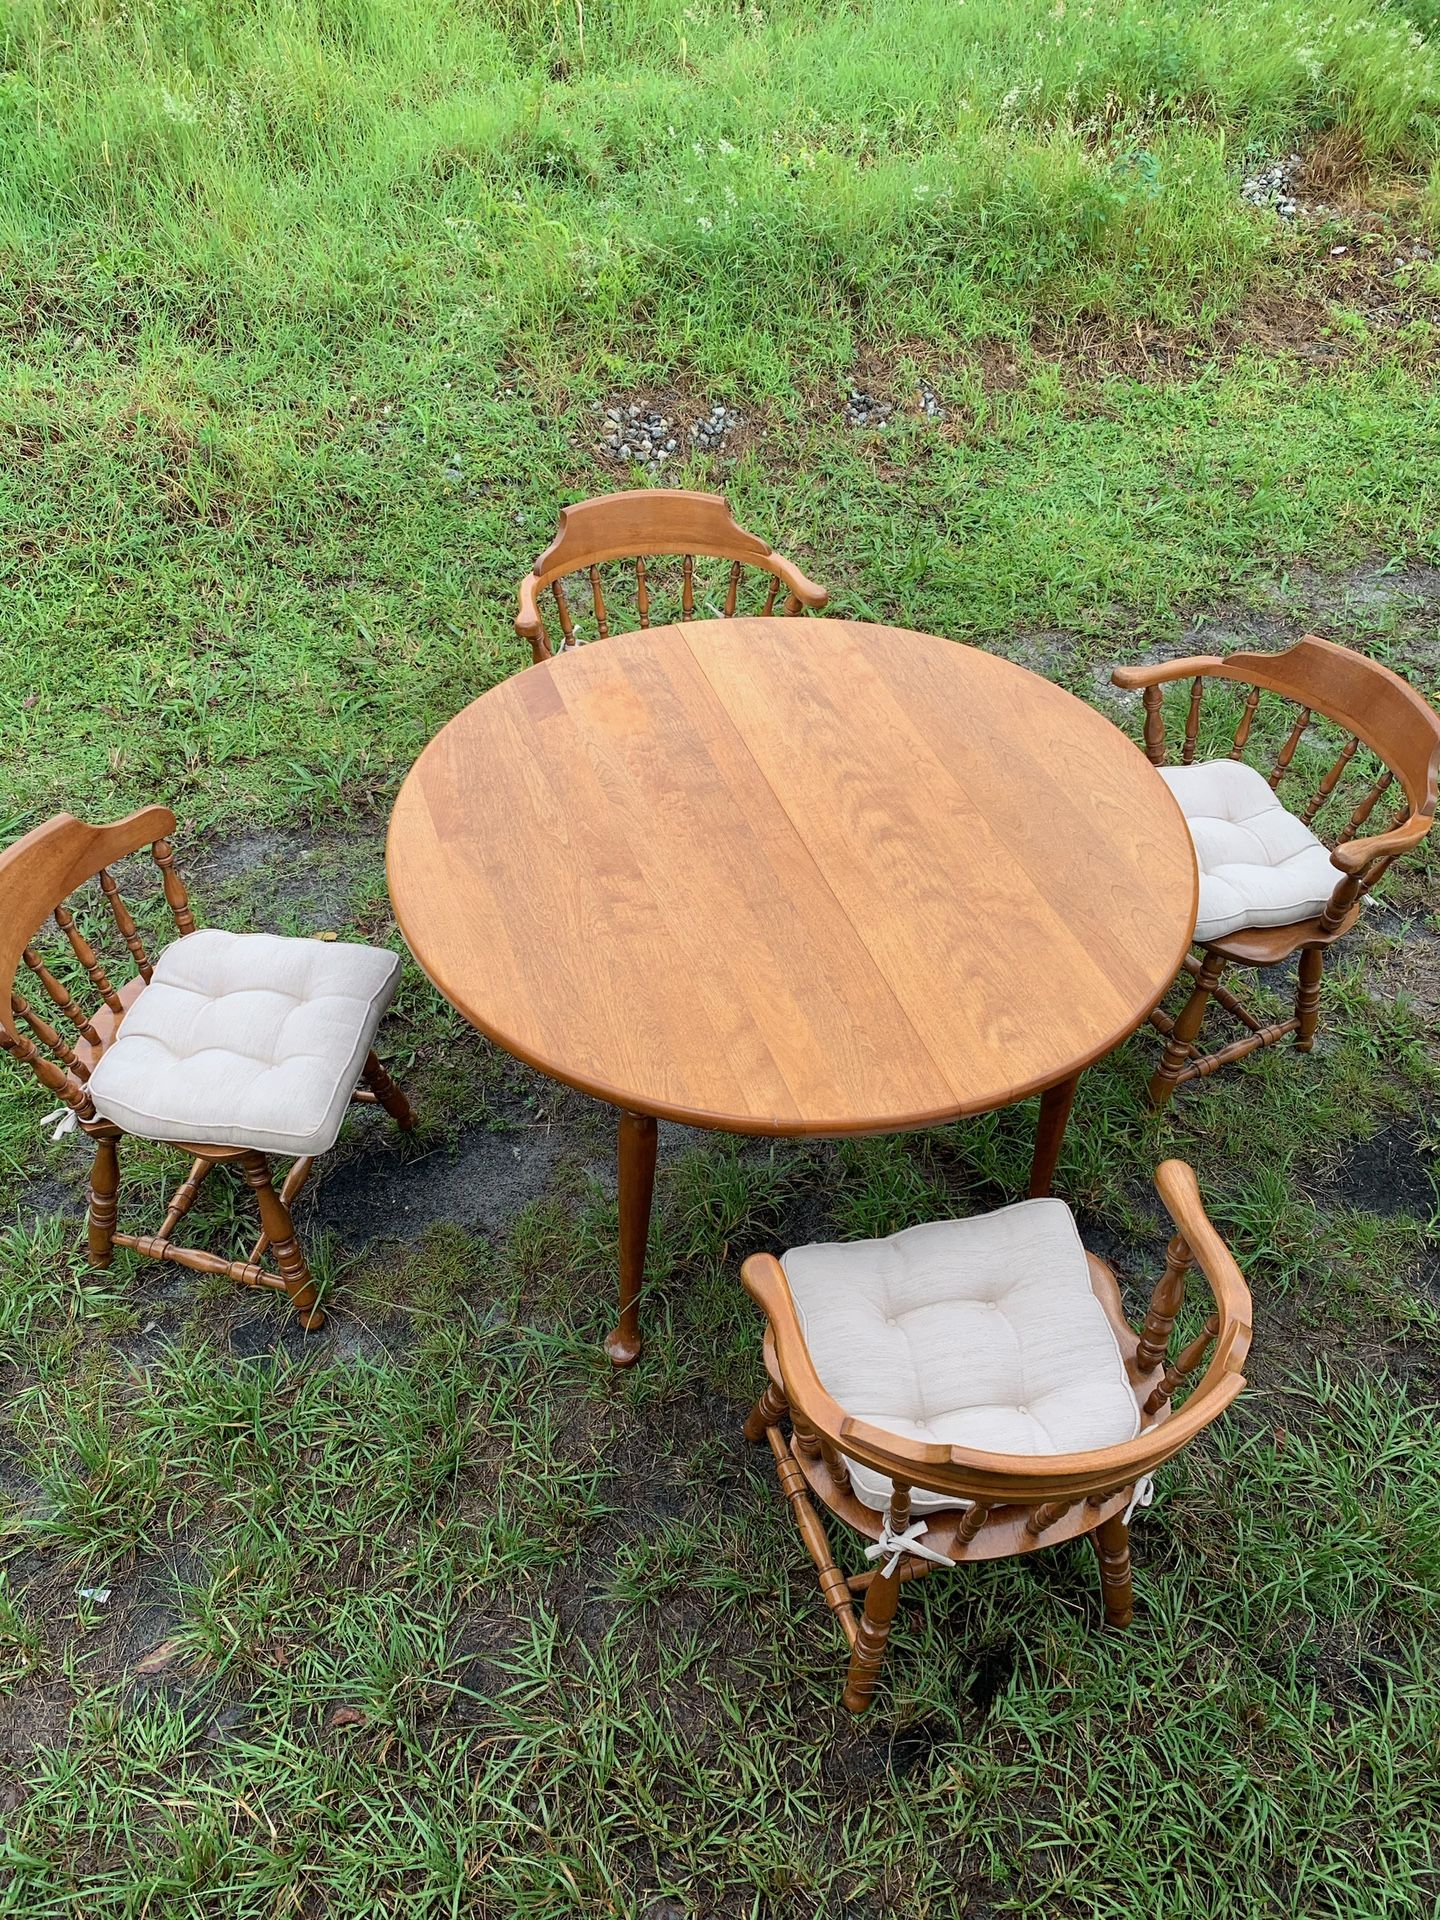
[
  {"x": 979, "y": 1333},
  {"x": 246, "y": 1040},
  {"x": 1259, "y": 865}
]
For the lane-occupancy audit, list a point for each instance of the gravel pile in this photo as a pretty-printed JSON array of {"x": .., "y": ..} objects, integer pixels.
[
  {"x": 1273, "y": 186},
  {"x": 863, "y": 411},
  {"x": 930, "y": 402},
  {"x": 709, "y": 433},
  {"x": 632, "y": 434},
  {"x": 648, "y": 438}
]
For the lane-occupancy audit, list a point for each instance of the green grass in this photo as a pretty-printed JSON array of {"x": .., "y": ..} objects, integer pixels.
[{"x": 304, "y": 313}]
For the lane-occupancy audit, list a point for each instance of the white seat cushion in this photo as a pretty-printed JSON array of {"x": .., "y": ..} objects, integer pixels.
[
  {"x": 246, "y": 1040},
  {"x": 1259, "y": 865},
  {"x": 975, "y": 1333}
]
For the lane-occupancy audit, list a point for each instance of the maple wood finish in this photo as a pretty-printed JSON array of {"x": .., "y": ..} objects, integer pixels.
[
  {"x": 865, "y": 885},
  {"x": 1377, "y": 710},
  {"x": 1015, "y": 1503},
  {"x": 40, "y": 875},
  {"x": 642, "y": 525}
]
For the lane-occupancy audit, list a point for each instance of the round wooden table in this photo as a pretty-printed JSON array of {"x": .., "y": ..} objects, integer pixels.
[{"x": 791, "y": 876}]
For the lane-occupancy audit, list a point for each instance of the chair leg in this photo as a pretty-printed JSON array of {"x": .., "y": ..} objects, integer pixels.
[
  {"x": 1185, "y": 1031},
  {"x": 1307, "y": 1000},
  {"x": 882, "y": 1597},
  {"x": 391, "y": 1097},
  {"x": 104, "y": 1200},
  {"x": 767, "y": 1411},
  {"x": 1112, "y": 1545},
  {"x": 279, "y": 1230}
]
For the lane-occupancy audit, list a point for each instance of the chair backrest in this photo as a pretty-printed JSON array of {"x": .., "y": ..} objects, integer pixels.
[
  {"x": 1048, "y": 1484},
  {"x": 639, "y": 526},
  {"x": 1372, "y": 706},
  {"x": 38, "y": 876}
]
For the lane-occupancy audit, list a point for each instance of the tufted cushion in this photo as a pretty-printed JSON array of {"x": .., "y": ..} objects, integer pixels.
[
  {"x": 977, "y": 1333},
  {"x": 246, "y": 1040},
  {"x": 1259, "y": 865}
]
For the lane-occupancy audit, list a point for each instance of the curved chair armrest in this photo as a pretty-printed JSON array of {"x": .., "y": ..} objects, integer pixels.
[
  {"x": 1177, "y": 1186},
  {"x": 527, "y": 620},
  {"x": 1163, "y": 670},
  {"x": 1354, "y": 856},
  {"x": 808, "y": 592},
  {"x": 763, "y": 1278}
]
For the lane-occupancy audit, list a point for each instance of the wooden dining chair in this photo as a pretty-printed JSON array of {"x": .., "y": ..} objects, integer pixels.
[
  {"x": 1270, "y": 884},
  {"x": 640, "y": 526},
  {"x": 971, "y": 1390},
  {"x": 233, "y": 1048}
]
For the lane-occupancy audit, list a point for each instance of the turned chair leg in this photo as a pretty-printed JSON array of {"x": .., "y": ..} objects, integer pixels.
[
  {"x": 1307, "y": 999},
  {"x": 1184, "y": 1033},
  {"x": 391, "y": 1097},
  {"x": 767, "y": 1412},
  {"x": 1112, "y": 1545},
  {"x": 279, "y": 1230},
  {"x": 104, "y": 1201},
  {"x": 882, "y": 1596}
]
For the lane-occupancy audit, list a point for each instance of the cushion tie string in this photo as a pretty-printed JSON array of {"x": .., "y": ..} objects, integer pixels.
[
  {"x": 897, "y": 1545},
  {"x": 1142, "y": 1494},
  {"x": 60, "y": 1122}
]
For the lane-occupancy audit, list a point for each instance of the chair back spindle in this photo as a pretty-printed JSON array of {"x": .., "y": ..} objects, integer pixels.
[
  {"x": 1183, "y": 1365},
  {"x": 1368, "y": 803},
  {"x": 88, "y": 959},
  {"x": 835, "y": 1463},
  {"x": 562, "y": 609},
  {"x": 1287, "y": 751},
  {"x": 975, "y": 1517},
  {"x": 1192, "y": 720},
  {"x": 1165, "y": 1304},
  {"x": 176, "y": 897},
  {"x": 50, "y": 1037},
  {"x": 1247, "y": 720},
  {"x": 642, "y": 591},
  {"x": 125, "y": 924},
  {"x": 59, "y": 997},
  {"x": 1154, "y": 702},
  {"x": 1331, "y": 780},
  {"x": 65, "y": 1086},
  {"x": 1040, "y": 1519},
  {"x": 597, "y": 601}
]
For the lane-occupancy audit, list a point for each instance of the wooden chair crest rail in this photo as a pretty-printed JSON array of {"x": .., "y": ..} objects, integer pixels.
[
  {"x": 639, "y": 526},
  {"x": 1276, "y": 881},
  {"x": 1001, "y": 1486},
  {"x": 228, "y": 1047}
]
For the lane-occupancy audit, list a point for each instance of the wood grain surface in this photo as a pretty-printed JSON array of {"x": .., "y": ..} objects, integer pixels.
[{"x": 784, "y": 877}]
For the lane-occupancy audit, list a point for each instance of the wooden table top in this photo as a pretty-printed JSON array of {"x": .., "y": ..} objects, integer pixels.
[{"x": 792, "y": 876}]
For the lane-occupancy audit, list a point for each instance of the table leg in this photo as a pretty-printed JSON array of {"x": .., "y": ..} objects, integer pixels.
[
  {"x": 637, "y": 1186},
  {"x": 1055, "y": 1105}
]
